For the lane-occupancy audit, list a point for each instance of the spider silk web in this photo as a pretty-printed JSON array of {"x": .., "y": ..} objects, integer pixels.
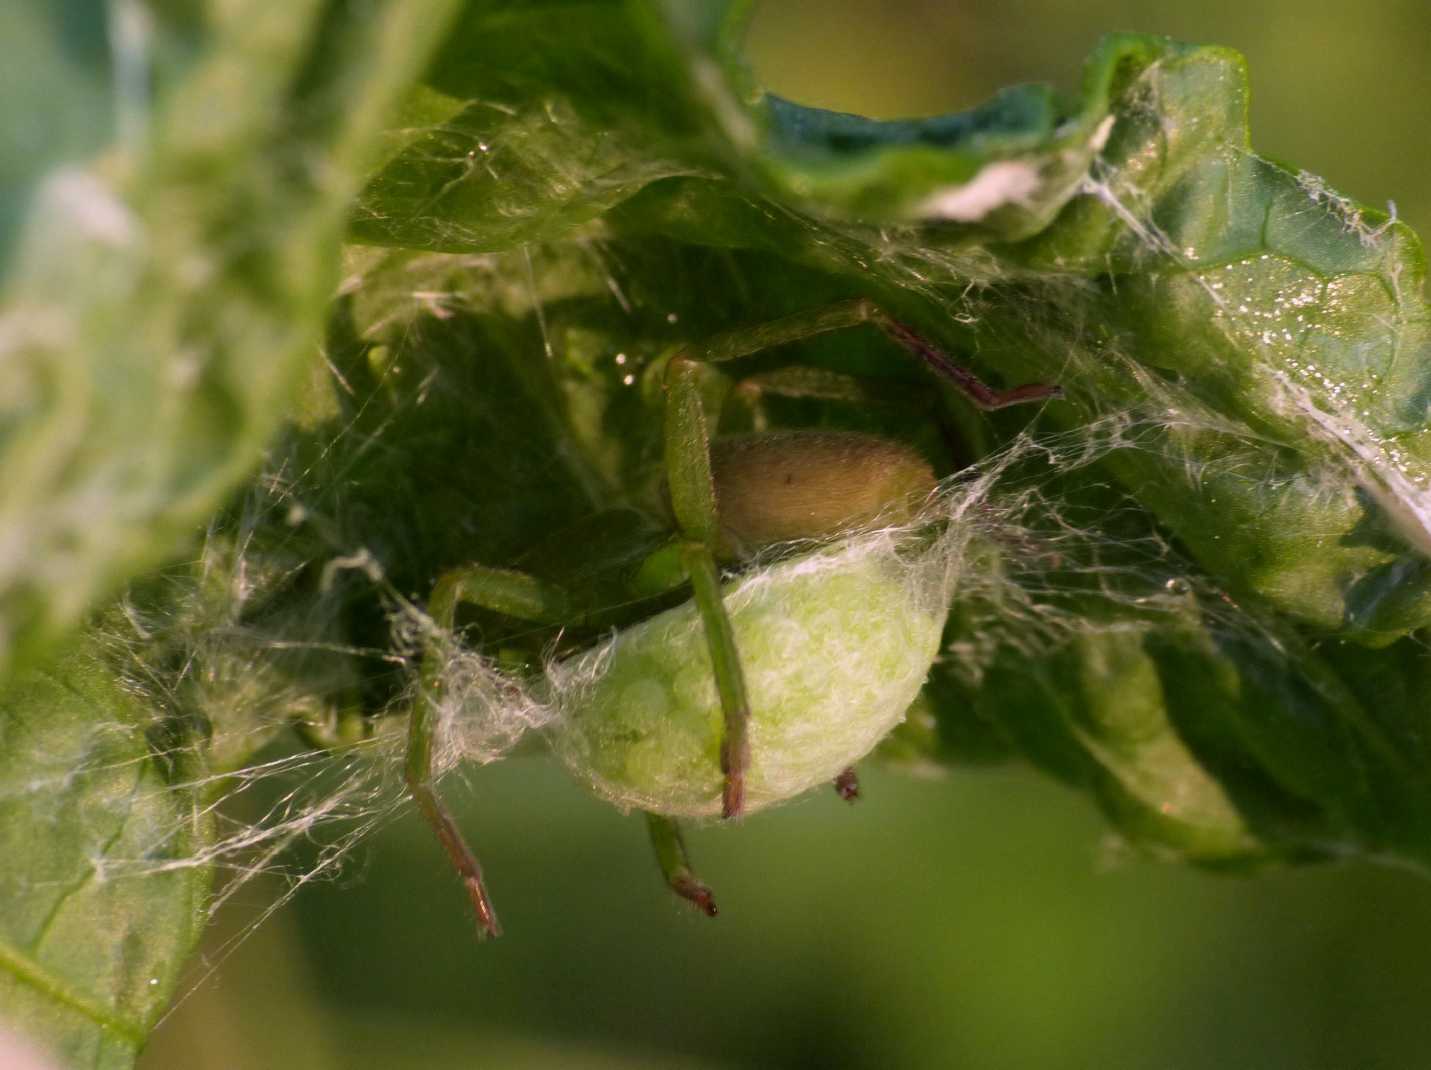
[{"x": 465, "y": 405}]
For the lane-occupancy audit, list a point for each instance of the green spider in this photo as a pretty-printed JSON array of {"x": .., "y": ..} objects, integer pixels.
[{"x": 729, "y": 498}]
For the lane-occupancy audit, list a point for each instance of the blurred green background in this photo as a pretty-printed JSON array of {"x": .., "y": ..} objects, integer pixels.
[{"x": 979, "y": 921}]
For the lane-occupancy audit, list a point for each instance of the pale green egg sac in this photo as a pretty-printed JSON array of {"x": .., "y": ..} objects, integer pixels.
[{"x": 835, "y": 645}]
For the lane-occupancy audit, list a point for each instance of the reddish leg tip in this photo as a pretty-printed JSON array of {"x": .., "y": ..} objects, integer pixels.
[
  {"x": 488, "y": 927},
  {"x": 697, "y": 894},
  {"x": 847, "y": 785},
  {"x": 732, "y": 802},
  {"x": 734, "y": 761}
]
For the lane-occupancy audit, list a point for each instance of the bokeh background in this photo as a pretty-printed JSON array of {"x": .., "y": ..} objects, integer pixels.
[{"x": 983, "y": 920}]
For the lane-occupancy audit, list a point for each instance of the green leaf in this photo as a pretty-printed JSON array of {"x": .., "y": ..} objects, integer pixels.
[
  {"x": 1218, "y": 741},
  {"x": 1198, "y": 592},
  {"x": 103, "y": 893},
  {"x": 533, "y": 141},
  {"x": 54, "y": 83},
  {"x": 161, "y": 299}
]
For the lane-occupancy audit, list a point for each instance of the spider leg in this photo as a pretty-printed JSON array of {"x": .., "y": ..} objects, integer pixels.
[
  {"x": 744, "y": 341},
  {"x": 983, "y": 396},
  {"x": 515, "y": 594},
  {"x": 693, "y": 498},
  {"x": 847, "y": 785},
  {"x": 688, "y": 474},
  {"x": 670, "y": 848},
  {"x": 976, "y": 390}
]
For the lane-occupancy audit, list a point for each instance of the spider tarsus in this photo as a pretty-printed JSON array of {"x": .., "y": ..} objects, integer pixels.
[
  {"x": 488, "y": 927},
  {"x": 732, "y": 800},
  {"x": 734, "y": 760},
  {"x": 676, "y": 864},
  {"x": 1019, "y": 395},
  {"x": 983, "y": 396},
  {"x": 695, "y": 892},
  {"x": 460, "y": 855},
  {"x": 847, "y": 785}
]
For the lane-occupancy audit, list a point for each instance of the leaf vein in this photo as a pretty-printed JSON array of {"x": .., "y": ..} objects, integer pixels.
[{"x": 30, "y": 972}]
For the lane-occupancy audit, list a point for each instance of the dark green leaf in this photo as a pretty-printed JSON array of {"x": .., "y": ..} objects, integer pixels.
[
  {"x": 103, "y": 888},
  {"x": 161, "y": 300}
]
